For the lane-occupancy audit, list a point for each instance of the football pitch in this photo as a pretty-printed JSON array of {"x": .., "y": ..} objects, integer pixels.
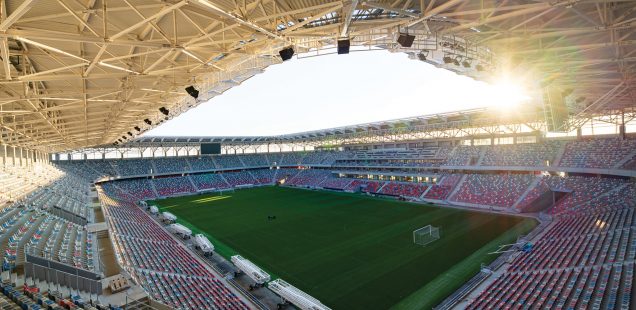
[{"x": 348, "y": 250}]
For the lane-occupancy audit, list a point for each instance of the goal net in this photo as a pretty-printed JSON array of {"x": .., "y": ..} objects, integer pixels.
[{"x": 425, "y": 235}]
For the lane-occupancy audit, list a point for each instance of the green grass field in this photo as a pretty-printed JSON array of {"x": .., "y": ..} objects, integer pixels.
[{"x": 349, "y": 251}]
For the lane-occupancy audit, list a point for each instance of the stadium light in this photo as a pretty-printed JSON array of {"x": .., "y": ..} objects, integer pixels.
[
  {"x": 479, "y": 67},
  {"x": 466, "y": 63},
  {"x": 447, "y": 59}
]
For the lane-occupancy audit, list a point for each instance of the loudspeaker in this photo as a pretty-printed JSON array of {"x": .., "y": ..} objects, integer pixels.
[
  {"x": 286, "y": 53},
  {"x": 192, "y": 91},
  {"x": 343, "y": 46},
  {"x": 147, "y": 121},
  {"x": 164, "y": 111},
  {"x": 406, "y": 40},
  {"x": 137, "y": 128}
]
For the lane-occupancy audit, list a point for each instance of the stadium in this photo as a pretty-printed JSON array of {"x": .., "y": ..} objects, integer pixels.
[{"x": 530, "y": 206}]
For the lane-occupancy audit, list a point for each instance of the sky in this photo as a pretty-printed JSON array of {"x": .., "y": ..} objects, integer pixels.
[{"x": 337, "y": 90}]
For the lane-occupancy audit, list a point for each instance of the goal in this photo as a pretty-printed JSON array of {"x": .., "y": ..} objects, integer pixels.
[{"x": 425, "y": 235}]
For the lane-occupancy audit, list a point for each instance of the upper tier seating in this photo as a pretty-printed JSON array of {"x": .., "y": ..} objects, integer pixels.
[
  {"x": 291, "y": 159},
  {"x": 168, "y": 165},
  {"x": 202, "y": 163},
  {"x": 128, "y": 167},
  {"x": 597, "y": 153},
  {"x": 535, "y": 154},
  {"x": 228, "y": 162},
  {"x": 464, "y": 156},
  {"x": 255, "y": 160}
]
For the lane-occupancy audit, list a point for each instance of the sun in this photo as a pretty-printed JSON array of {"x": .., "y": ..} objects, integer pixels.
[{"x": 507, "y": 92}]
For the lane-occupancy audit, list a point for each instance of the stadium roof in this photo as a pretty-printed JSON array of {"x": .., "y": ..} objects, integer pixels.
[
  {"x": 460, "y": 120},
  {"x": 78, "y": 73}
]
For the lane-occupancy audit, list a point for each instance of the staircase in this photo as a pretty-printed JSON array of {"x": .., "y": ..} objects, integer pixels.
[
  {"x": 154, "y": 167},
  {"x": 225, "y": 180},
  {"x": 482, "y": 153},
  {"x": 628, "y": 158},
  {"x": 253, "y": 177},
  {"x": 457, "y": 187},
  {"x": 152, "y": 186},
  {"x": 189, "y": 166},
  {"x": 242, "y": 163},
  {"x": 192, "y": 182},
  {"x": 534, "y": 184},
  {"x": 381, "y": 187},
  {"x": 559, "y": 155},
  {"x": 426, "y": 191}
]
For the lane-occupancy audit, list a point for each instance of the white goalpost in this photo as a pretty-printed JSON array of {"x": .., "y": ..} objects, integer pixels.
[{"x": 425, "y": 235}]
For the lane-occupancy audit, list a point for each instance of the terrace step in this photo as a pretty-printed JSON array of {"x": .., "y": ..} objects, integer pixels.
[
  {"x": 459, "y": 184},
  {"x": 154, "y": 189},
  {"x": 426, "y": 191},
  {"x": 534, "y": 184},
  {"x": 192, "y": 182},
  {"x": 625, "y": 160},
  {"x": 559, "y": 155}
]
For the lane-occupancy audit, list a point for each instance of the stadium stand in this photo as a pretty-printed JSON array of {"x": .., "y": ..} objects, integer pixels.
[
  {"x": 160, "y": 264},
  {"x": 493, "y": 190},
  {"x": 592, "y": 235},
  {"x": 86, "y": 83},
  {"x": 203, "y": 163},
  {"x": 131, "y": 167},
  {"x": 444, "y": 188},
  {"x": 209, "y": 181},
  {"x": 168, "y": 165},
  {"x": 173, "y": 185},
  {"x": 585, "y": 260},
  {"x": 309, "y": 177},
  {"x": 533, "y": 154},
  {"x": 464, "y": 156},
  {"x": 228, "y": 162},
  {"x": 255, "y": 160},
  {"x": 404, "y": 189},
  {"x": 336, "y": 183},
  {"x": 597, "y": 153},
  {"x": 239, "y": 178},
  {"x": 263, "y": 176}
]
